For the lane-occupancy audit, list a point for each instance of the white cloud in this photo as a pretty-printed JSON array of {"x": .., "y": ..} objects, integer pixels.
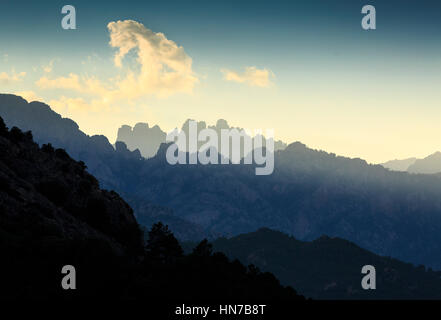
[
  {"x": 252, "y": 76},
  {"x": 146, "y": 64},
  {"x": 71, "y": 82},
  {"x": 163, "y": 68},
  {"x": 14, "y": 77},
  {"x": 69, "y": 106}
]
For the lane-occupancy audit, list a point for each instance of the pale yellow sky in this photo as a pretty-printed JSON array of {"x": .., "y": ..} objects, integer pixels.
[{"x": 374, "y": 110}]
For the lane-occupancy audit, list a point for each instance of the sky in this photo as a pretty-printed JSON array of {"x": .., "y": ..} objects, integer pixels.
[{"x": 306, "y": 69}]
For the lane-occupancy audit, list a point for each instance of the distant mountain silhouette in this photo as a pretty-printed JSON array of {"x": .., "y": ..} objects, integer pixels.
[
  {"x": 142, "y": 137},
  {"x": 54, "y": 214},
  {"x": 428, "y": 165},
  {"x": 148, "y": 140},
  {"x": 399, "y": 165},
  {"x": 309, "y": 194},
  {"x": 330, "y": 268}
]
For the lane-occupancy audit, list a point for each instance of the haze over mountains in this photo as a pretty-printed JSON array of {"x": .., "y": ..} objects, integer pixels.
[
  {"x": 54, "y": 214},
  {"x": 148, "y": 140},
  {"x": 429, "y": 165},
  {"x": 310, "y": 193},
  {"x": 399, "y": 165},
  {"x": 329, "y": 268}
]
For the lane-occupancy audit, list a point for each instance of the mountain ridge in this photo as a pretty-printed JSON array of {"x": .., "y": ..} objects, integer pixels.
[
  {"x": 329, "y": 268},
  {"x": 148, "y": 139},
  {"x": 54, "y": 215},
  {"x": 428, "y": 165},
  {"x": 310, "y": 193}
]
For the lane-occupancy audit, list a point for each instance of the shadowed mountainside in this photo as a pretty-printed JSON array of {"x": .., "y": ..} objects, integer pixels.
[
  {"x": 330, "y": 268},
  {"x": 309, "y": 194},
  {"x": 53, "y": 214},
  {"x": 115, "y": 168},
  {"x": 44, "y": 191}
]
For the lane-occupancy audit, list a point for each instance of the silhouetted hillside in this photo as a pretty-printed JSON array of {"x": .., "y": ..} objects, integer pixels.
[
  {"x": 44, "y": 191},
  {"x": 115, "y": 168},
  {"x": 309, "y": 194},
  {"x": 330, "y": 268},
  {"x": 49, "y": 127},
  {"x": 54, "y": 214}
]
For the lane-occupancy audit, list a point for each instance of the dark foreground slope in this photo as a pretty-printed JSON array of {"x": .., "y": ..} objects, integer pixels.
[
  {"x": 115, "y": 168},
  {"x": 53, "y": 213},
  {"x": 330, "y": 268}
]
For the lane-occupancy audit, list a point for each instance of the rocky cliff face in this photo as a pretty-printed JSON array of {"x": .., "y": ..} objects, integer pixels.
[
  {"x": 48, "y": 196},
  {"x": 116, "y": 168},
  {"x": 53, "y": 214},
  {"x": 49, "y": 127}
]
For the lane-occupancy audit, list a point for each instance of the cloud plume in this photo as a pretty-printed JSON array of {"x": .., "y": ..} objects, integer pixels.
[
  {"x": 251, "y": 76},
  {"x": 163, "y": 68},
  {"x": 7, "y": 79}
]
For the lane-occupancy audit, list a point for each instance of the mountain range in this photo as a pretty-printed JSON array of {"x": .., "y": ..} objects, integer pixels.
[
  {"x": 104, "y": 161},
  {"x": 399, "y": 165},
  {"x": 428, "y": 165},
  {"x": 310, "y": 193},
  {"x": 148, "y": 140},
  {"x": 329, "y": 268},
  {"x": 54, "y": 214}
]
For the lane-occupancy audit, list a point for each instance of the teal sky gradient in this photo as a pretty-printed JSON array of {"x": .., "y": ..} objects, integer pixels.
[{"x": 369, "y": 94}]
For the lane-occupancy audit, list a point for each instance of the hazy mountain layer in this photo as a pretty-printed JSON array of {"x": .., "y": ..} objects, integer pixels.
[
  {"x": 148, "y": 140},
  {"x": 399, "y": 165},
  {"x": 115, "y": 168},
  {"x": 309, "y": 194},
  {"x": 142, "y": 137},
  {"x": 330, "y": 268},
  {"x": 429, "y": 165},
  {"x": 53, "y": 214}
]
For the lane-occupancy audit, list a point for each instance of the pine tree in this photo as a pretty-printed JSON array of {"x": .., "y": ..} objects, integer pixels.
[{"x": 162, "y": 245}]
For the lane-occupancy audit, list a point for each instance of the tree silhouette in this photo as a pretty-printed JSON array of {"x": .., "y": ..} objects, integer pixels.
[
  {"x": 203, "y": 249},
  {"x": 162, "y": 244}
]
